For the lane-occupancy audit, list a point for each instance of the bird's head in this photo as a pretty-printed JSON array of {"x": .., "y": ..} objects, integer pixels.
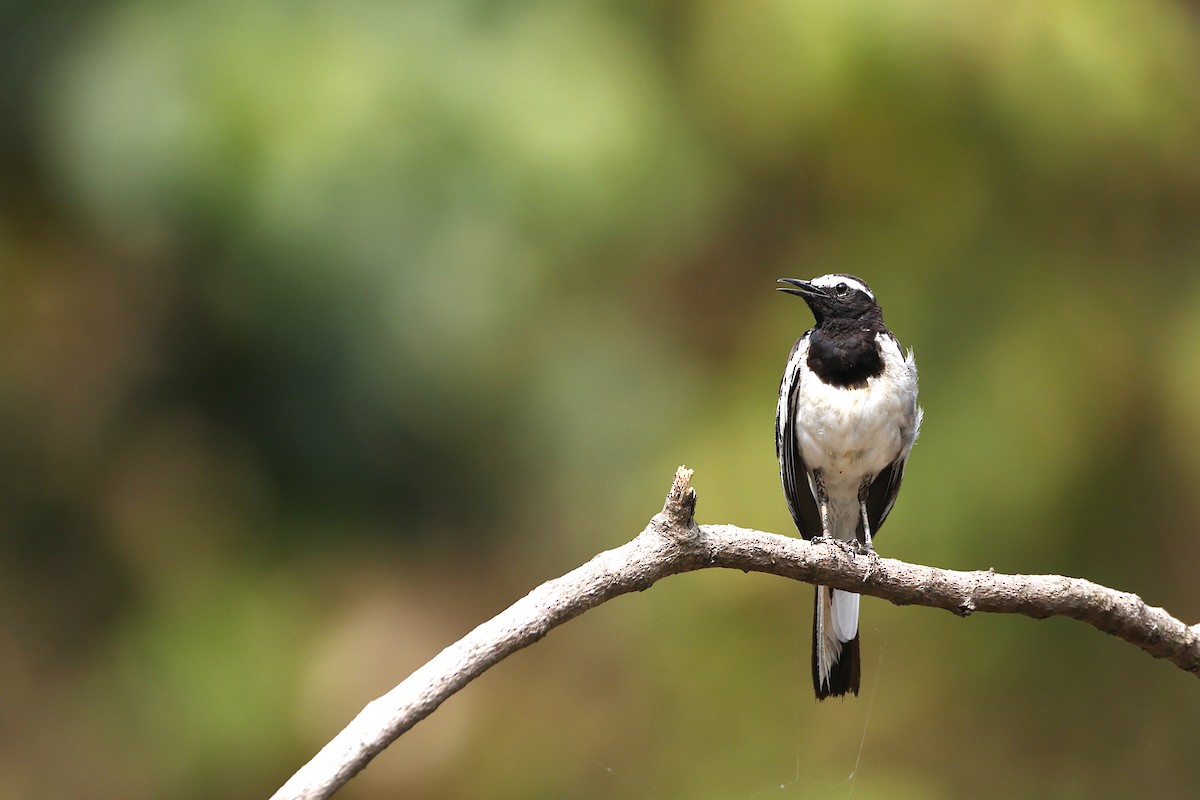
[{"x": 834, "y": 296}]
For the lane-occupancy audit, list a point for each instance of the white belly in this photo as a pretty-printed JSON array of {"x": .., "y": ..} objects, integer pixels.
[{"x": 851, "y": 434}]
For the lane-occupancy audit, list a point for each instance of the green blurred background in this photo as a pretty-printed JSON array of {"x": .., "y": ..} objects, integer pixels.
[{"x": 328, "y": 330}]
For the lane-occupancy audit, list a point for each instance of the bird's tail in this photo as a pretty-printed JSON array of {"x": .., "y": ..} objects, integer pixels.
[{"x": 835, "y": 661}]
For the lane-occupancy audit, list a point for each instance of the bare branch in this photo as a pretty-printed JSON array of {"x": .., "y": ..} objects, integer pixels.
[{"x": 673, "y": 543}]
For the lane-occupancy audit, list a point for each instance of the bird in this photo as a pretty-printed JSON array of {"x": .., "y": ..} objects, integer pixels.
[{"x": 845, "y": 424}]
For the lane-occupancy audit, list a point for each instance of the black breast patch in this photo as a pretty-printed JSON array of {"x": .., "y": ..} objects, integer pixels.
[{"x": 845, "y": 356}]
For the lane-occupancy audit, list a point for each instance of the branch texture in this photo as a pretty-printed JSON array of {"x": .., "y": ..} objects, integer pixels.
[{"x": 673, "y": 543}]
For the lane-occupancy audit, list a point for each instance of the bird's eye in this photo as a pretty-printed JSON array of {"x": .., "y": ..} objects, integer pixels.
[{"x": 841, "y": 290}]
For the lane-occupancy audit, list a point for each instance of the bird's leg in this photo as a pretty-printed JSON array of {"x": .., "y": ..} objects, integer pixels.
[
  {"x": 865, "y": 543},
  {"x": 865, "y": 540},
  {"x": 822, "y": 502},
  {"x": 822, "y": 497}
]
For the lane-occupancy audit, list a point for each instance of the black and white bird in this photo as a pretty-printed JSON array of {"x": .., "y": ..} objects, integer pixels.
[{"x": 846, "y": 422}]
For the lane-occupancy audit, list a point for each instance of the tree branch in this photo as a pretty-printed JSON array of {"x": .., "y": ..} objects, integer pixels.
[{"x": 673, "y": 543}]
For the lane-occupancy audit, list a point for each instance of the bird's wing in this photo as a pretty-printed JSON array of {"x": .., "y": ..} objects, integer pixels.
[
  {"x": 882, "y": 494},
  {"x": 792, "y": 470}
]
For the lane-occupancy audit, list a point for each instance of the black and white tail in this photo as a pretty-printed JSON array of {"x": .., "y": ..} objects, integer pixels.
[{"x": 835, "y": 658}]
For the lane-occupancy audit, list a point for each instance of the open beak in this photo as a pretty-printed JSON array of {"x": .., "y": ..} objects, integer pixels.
[{"x": 803, "y": 289}]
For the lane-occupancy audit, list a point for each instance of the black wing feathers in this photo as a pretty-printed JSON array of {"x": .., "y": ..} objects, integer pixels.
[
  {"x": 792, "y": 469},
  {"x": 882, "y": 496}
]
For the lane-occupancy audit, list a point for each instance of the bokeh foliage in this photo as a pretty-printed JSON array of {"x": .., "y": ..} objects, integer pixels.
[{"x": 327, "y": 330}]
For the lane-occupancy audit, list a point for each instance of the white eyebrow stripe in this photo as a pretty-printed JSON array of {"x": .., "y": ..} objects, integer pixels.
[{"x": 830, "y": 281}]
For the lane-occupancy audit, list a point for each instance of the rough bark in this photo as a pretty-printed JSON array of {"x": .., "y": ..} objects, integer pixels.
[{"x": 672, "y": 543}]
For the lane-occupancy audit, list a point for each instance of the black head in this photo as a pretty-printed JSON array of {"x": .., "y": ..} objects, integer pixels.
[{"x": 836, "y": 297}]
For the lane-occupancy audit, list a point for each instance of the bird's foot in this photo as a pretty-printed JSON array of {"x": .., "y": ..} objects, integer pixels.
[
  {"x": 849, "y": 548},
  {"x": 867, "y": 550}
]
